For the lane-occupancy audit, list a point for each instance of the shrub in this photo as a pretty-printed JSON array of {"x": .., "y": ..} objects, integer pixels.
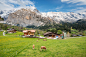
[{"x": 6, "y": 32}]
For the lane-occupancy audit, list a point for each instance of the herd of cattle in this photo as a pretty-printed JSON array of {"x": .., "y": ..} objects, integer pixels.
[{"x": 42, "y": 47}]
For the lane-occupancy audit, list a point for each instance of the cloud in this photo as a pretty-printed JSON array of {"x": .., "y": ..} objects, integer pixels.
[
  {"x": 79, "y": 10},
  {"x": 12, "y": 4},
  {"x": 59, "y": 8},
  {"x": 78, "y": 2},
  {"x": 4, "y": 6}
]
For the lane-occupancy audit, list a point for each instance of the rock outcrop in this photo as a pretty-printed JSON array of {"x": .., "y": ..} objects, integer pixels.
[{"x": 26, "y": 17}]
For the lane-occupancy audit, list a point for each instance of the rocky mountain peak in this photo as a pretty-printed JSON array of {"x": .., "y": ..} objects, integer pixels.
[
  {"x": 26, "y": 17},
  {"x": 32, "y": 16}
]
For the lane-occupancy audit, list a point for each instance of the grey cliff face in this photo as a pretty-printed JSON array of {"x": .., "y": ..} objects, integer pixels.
[{"x": 26, "y": 17}]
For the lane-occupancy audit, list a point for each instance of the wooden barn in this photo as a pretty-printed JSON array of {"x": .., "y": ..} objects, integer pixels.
[
  {"x": 29, "y": 32},
  {"x": 52, "y": 35},
  {"x": 11, "y": 30}
]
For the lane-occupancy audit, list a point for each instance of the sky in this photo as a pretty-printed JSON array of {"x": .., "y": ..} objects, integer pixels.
[{"x": 45, "y": 5}]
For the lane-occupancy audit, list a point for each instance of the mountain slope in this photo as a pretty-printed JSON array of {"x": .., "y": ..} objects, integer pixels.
[
  {"x": 26, "y": 17},
  {"x": 66, "y": 17},
  {"x": 1, "y": 19},
  {"x": 80, "y": 24},
  {"x": 5, "y": 13},
  {"x": 22, "y": 17}
]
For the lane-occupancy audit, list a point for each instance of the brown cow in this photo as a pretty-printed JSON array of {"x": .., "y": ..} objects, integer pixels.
[
  {"x": 33, "y": 46},
  {"x": 43, "y": 47},
  {"x": 37, "y": 40},
  {"x": 44, "y": 40}
]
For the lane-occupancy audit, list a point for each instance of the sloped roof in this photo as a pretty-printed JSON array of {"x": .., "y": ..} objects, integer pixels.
[
  {"x": 25, "y": 30},
  {"x": 11, "y": 29},
  {"x": 47, "y": 33},
  {"x": 50, "y": 33},
  {"x": 32, "y": 30},
  {"x": 29, "y": 30}
]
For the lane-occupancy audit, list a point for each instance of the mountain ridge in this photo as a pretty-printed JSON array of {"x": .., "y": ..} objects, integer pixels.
[
  {"x": 26, "y": 17},
  {"x": 44, "y": 18}
]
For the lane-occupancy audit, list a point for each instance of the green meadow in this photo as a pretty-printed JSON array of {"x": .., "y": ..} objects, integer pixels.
[{"x": 13, "y": 45}]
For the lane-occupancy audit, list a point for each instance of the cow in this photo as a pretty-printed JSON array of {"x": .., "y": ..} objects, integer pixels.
[
  {"x": 44, "y": 40},
  {"x": 37, "y": 40},
  {"x": 42, "y": 47},
  {"x": 33, "y": 46}
]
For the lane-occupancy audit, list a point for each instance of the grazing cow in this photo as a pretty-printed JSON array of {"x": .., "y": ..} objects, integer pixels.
[
  {"x": 37, "y": 40},
  {"x": 44, "y": 40},
  {"x": 43, "y": 47},
  {"x": 33, "y": 46}
]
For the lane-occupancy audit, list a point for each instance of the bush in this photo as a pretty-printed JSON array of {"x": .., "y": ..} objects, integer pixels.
[
  {"x": 6, "y": 32},
  {"x": 59, "y": 32}
]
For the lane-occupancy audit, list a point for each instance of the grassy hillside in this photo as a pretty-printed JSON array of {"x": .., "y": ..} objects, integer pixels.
[
  {"x": 1, "y": 33},
  {"x": 14, "y": 34},
  {"x": 15, "y": 46}
]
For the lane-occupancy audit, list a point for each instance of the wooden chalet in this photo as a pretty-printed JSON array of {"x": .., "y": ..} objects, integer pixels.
[
  {"x": 29, "y": 32},
  {"x": 52, "y": 35},
  {"x": 11, "y": 30}
]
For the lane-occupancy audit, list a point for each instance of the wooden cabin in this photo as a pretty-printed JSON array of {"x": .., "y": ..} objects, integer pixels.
[
  {"x": 52, "y": 35},
  {"x": 29, "y": 32},
  {"x": 11, "y": 30}
]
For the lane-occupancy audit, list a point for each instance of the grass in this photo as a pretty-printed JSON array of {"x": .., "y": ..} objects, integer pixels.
[
  {"x": 15, "y": 46},
  {"x": 14, "y": 34},
  {"x": 1, "y": 33}
]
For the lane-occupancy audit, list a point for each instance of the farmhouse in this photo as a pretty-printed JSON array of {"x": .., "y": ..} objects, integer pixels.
[
  {"x": 11, "y": 30},
  {"x": 29, "y": 32},
  {"x": 52, "y": 35}
]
